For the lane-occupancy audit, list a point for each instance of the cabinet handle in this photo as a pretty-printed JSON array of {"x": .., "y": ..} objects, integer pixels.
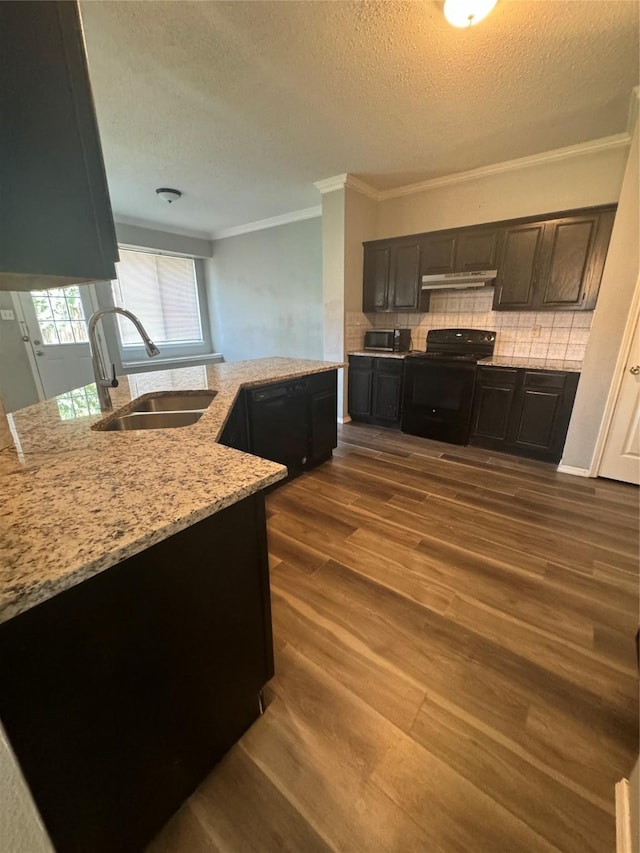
[{"x": 635, "y": 369}]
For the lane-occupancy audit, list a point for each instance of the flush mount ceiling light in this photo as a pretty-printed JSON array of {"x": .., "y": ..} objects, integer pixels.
[
  {"x": 465, "y": 13},
  {"x": 168, "y": 194}
]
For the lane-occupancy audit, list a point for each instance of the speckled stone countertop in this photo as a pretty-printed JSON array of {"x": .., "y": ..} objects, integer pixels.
[
  {"x": 379, "y": 353},
  {"x": 496, "y": 361},
  {"x": 75, "y": 501},
  {"x": 534, "y": 363}
]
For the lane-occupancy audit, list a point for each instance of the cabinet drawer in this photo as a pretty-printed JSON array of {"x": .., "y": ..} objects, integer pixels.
[
  {"x": 388, "y": 365},
  {"x": 498, "y": 375},
  {"x": 538, "y": 379},
  {"x": 360, "y": 362}
]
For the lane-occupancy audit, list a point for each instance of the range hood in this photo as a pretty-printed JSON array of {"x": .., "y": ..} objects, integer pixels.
[{"x": 458, "y": 280}]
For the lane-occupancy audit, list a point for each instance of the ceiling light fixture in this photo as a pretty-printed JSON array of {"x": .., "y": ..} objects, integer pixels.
[
  {"x": 168, "y": 194},
  {"x": 465, "y": 13}
]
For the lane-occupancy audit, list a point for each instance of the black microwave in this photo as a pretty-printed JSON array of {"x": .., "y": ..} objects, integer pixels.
[{"x": 388, "y": 340}]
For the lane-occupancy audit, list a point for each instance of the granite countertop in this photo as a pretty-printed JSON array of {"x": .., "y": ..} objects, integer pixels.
[
  {"x": 534, "y": 363},
  {"x": 76, "y": 501},
  {"x": 379, "y": 353},
  {"x": 496, "y": 361}
]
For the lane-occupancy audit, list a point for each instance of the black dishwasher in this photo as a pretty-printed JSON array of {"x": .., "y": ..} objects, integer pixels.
[{"x": 279, "y": 423}]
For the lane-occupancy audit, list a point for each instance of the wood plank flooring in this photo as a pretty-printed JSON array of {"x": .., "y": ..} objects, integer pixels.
[{"x": 455, "y": 661}]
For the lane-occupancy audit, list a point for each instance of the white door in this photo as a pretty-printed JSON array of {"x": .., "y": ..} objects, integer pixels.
[
  {"x": 57, "y": 334},
  {"x": 621, "y": 457}
]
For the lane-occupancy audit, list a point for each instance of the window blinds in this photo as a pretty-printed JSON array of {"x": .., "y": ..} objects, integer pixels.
[{"x": 162, "y": 292}]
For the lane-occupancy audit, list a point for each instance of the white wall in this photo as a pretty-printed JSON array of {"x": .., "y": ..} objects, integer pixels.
[
  {"x": 609, "y": 320},
  {"x": 265, "y": 292},
  {"x": 580, "y": 181},
  {"x": 21, "y": 830}
]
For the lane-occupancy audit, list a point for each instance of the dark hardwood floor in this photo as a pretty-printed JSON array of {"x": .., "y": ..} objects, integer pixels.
[{"x": 455, "y": 661}]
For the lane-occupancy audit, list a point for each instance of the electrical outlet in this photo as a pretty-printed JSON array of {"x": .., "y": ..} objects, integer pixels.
[
  {"x": 536, "y": 332},
  {"x": 7, "y": 314}
]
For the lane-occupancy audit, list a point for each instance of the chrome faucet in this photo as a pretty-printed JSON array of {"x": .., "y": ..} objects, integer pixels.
[{"x": 104, "y": 382}]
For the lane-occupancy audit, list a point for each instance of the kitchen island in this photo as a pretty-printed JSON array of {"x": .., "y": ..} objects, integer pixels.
[{"x": 135, "y": 626}]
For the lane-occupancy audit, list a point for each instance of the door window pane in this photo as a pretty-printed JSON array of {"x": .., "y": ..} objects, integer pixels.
[{"x": 55, "y": 310}]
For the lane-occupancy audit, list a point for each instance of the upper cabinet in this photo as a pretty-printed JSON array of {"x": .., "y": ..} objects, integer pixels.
[
  {"x": 392, "y": 276},
  {"x": 550, "y": 263},
  {"x": 462, "y": 250},
  {"x": 553, "y": 264},
  {"x": 56, "y": 225}
]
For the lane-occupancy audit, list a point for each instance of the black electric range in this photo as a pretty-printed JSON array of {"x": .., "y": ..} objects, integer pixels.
[{"x": 438, "y": 383}]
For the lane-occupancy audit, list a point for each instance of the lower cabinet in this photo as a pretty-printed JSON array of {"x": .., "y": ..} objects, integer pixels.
[
  {"x": 525, "y": 412},
  {"x": 294, "y": 422},
  {"x": 120, "y": 694},
  {"x": 375, "y": 389}
]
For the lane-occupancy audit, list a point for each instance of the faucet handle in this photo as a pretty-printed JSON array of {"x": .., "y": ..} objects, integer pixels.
[{"x": 113, "y": 381}]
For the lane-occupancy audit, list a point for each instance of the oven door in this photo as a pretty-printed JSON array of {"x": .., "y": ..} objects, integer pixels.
[{"x": 437, "y": 400}]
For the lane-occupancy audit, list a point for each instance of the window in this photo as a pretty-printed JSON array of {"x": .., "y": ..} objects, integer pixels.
[
  {"x": 60, "y": 315},
  {"x": 166, "y": 295}
]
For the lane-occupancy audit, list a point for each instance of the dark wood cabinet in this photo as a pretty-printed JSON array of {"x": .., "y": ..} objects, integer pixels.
[
  {"x": 543, "y": 263},
  {"x": 360, "y": 387},
  {"x": 439, "y": 254},
  {"x": 120, "y": 694},
  {"x": 459, "y": 251},
  {"x": 525, "y": 412},
  {"x": 521, "y": 247},
  {"x": 376, "y": 278},
  {"x": 476, "y": 249},
  {"x": 392, "y": 276},
  {"x": 494, "y": 394},
  {"x": 404, "y": 277},
  {"x": 553, "y": 264},
  {"x": 293, "y": 423},
  {"x": 56, "y": 225},
  {"x": 375, "y": 389}
]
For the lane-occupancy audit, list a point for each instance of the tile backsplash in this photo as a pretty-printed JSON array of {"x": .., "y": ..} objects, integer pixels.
[{"x": 526, "y": 334}]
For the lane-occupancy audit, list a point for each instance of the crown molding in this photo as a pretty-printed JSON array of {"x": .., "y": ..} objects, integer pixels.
[
  {"x": 606, "y": 143},
  {"x": 328, "y": 185},
  {"x": 272, "y": 222},
  {"x": 362, "y": 188},
  {"x": 339, "y": 182}
]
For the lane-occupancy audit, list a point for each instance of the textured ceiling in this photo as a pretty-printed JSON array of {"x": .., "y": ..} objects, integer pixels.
[{"x": 243, "y": 105}]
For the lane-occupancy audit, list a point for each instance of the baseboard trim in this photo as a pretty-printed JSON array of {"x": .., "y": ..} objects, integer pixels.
[
  {"x": 570, "y": 469},
  {"x": 344, "y": 420},
  {"x": 623, "y": 818}
]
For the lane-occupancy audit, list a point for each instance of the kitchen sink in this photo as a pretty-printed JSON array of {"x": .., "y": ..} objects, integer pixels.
[
  {"x": 168, "y": 401},
  {"x": 151, "y": 420}
]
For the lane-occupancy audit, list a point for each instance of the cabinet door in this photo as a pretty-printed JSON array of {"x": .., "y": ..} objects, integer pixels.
[
  {"x": 236, "y": 430},
  {"x": 570, "y": 257},
  {"x": 476, "y": 250},
  {"x": 404, "y": 277},
  {"x": 518, "y": 264},
  {"x": 386, "y": 395},
  {"x": 360, "y": 388},
  {"x": 375, "y": 290},
  {"x": 439, "y": 254},
  {"x": 324, "y": 424},
  {"x": 55, "y": 215},
  {"x": 494, "y": 395},
  {"x": 541, "y": 413}
]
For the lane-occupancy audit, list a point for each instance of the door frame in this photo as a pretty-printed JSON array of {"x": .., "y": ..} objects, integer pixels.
[
  {"x": 618, "y": 376},
  {"x": 93, "y": 299}
]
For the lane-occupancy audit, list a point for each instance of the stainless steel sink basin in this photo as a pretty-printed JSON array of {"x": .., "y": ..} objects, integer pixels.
[
  {"x": 184, "y": 401},
  {"x": 151, "y": 420}
]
